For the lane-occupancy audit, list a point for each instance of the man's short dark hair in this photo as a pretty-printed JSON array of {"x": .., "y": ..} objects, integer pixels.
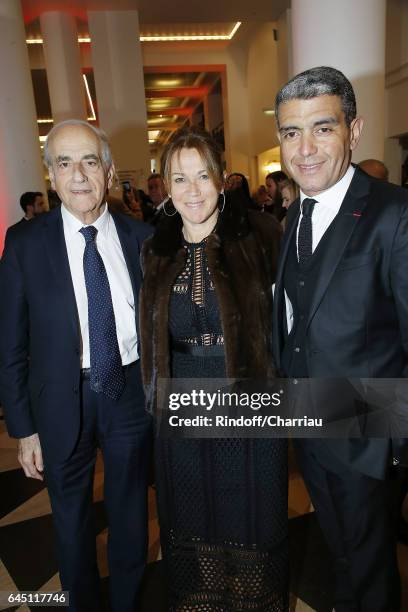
[
  {"x": 28, "y": 199},
  {"x": 319, "y": 81},
  {"x": 154, "y": 175}
]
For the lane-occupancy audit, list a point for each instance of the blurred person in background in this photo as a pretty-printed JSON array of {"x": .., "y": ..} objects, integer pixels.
[
  {"x": 272, "y": 181},
  {"x": 131, "y": 200},
  {"x": 53, "y": 199},
  {"x": 156, "y": 189},
  {"x": 261, "y": 200},
  {"x": 289, "y": 192},
  {"x": 32, "y": 203},
  {"x": 375, "y": 168},
  {"x": 236, "y": 180}
]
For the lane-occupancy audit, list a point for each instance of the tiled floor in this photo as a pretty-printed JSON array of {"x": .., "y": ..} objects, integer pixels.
[{"x": 27, "y": 558}]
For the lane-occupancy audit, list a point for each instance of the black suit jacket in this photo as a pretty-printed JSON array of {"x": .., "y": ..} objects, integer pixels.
[
  {"x": 16, "y": 227},
  {"x": 39, "y": 329},
  {"x": 358, "y": 321}
]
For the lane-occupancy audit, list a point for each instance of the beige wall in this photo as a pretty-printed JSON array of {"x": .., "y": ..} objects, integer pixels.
[
  {"x": 267, "y": 71},
  {"x": 262, "y": 86},
  {"x": 396, "y": 84},
  {"x": 397, "y": 68}
]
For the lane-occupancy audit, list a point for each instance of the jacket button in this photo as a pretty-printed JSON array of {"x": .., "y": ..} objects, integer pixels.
[
  {"x": 297, "y": 350},
  {"x": 301, "y": 283},
  {"x": 395, "y": 461}
]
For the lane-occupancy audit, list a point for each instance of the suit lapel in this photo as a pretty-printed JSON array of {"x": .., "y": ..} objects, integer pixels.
[
  {"x": 279, "y": 306},
  {"x": 345, "y": 222},
  {"x": 56, "y": 249},
  {"x": 130, "y": 249}
]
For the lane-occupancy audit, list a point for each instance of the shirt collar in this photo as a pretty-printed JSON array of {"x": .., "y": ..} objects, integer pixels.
[
  {"x": 334, "y": 196},
  {"x": 72, "y": 225}
]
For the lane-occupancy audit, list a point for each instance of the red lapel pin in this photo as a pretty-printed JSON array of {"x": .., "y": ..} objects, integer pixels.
[{"x": 357, "y": 213}]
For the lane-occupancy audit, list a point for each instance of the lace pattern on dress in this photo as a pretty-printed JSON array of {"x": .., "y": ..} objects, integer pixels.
[
  {"x": 227, "y": 577},
  {"x": 195, "y": 281}
]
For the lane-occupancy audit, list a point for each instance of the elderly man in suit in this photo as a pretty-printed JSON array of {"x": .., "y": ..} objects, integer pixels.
[
  {"x": 341, "y": 310},
  {"x": 69, "y": 366}
]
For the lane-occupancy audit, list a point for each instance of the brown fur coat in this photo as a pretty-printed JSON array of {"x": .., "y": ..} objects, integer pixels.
[{"x": 242, "y": 257}]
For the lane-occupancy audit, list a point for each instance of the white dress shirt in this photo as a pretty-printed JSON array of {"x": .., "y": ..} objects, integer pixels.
[
  {"x": 109, "y": 248},
  {"x": 325, "y": 210}
]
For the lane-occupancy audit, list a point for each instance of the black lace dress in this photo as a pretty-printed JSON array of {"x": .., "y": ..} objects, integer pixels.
[{"x": 222, "y": 502}]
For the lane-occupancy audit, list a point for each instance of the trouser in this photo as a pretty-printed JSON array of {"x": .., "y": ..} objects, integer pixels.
[
  {"x": 355, "y": 515},
  {"x": 122, "y": 430}
]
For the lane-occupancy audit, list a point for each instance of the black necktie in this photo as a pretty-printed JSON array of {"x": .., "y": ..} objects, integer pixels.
[
  {"x": 106, "y": 364},
  {"x": 305, "y": 235}
]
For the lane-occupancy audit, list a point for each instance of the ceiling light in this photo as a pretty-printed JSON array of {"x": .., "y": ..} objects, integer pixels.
[
  {"x": 157, "y": 104},
  {"x": 168, "y": 83},
  {"x": 52, "y": 120},
  {"x": 159, "y": 120},
  {"x": 268, "y": 111},
  {"x": 86, "y": 39},
  {"x": 192, "y": 36},
  {"x": 272, "y": 167},
  {"x": 93, "y": 116}
]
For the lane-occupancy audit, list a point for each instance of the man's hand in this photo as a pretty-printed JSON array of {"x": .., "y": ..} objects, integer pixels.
[{"x": 30, "y": 456}]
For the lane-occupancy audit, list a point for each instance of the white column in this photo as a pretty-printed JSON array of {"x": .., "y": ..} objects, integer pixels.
[
  {"x": 120, "y": 93},
  {"x": 348, "y": 35},
  {"x": 63, "y": 65},
  {"x": 20, "y": 154}
]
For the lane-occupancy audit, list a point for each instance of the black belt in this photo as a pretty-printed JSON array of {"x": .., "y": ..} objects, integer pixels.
[
  {"x": 86, "y": 372},
  {"x": 198, "y": 350}
]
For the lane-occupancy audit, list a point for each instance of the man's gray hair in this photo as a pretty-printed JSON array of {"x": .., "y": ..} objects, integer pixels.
[
  {"x": 106, "y": 155},
  {"x": 319, "y": 81}
]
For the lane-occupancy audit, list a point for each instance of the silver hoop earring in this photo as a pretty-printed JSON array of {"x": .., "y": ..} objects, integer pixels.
[
  {"x": 223, "y": 204},
  {"x": 165, "y": 211}
]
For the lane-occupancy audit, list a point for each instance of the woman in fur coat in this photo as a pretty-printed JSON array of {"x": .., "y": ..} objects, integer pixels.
[{"x": 206, "y": 313}]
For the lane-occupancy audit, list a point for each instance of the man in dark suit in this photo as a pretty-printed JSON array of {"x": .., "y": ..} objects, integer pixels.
[
  {"x": 341, "y": 311},
  {"x": 32, "y": 203},
  {"x": 69, "y": 366}
]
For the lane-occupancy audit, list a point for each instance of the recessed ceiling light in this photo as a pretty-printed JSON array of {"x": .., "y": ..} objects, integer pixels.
[
  {"x": 167, "y": 83},
  {"x": 158, "y": 120}
]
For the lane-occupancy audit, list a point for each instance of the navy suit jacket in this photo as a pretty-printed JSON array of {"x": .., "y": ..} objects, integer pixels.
[
  {"x": 39, "y": 329},
  {"x": 16, "y": 227},
  {"x": 358, "y": 321}
]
